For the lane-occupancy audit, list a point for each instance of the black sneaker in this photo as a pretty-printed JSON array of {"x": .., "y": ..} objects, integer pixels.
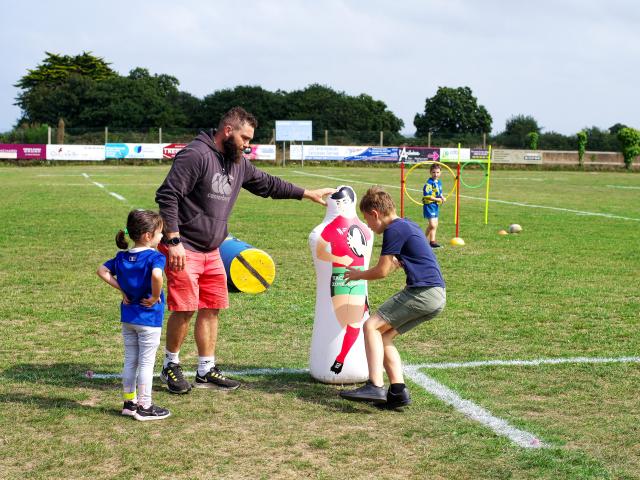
[
  {"x": 153, "y": 412},
  {"x": 366, "y": 393},
  {"x": 214, "y": 378},
  {"x": 435, "y": 245},
  {"x": 336, "y": 367},
  {"x": 129, "y": 408},
  {"x": 397, "y": 400},
  {"x": 173, "y": 377}
]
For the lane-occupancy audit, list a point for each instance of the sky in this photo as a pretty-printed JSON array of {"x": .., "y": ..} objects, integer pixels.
[{"x": 569, "y": 64}]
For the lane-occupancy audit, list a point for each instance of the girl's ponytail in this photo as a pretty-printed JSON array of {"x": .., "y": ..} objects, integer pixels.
[{"x": 121, "y": 241}]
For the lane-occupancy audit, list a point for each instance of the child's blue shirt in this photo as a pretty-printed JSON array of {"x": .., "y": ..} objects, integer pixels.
[
  {"x": 406, "y": 240},
  {"x": 132, "y": 269}
]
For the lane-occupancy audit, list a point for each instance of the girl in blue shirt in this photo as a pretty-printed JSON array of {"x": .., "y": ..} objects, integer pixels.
[{"x": 137, "y": 273}]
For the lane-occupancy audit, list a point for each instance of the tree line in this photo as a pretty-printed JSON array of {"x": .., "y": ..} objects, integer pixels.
[{"x": 85, "y": 92}]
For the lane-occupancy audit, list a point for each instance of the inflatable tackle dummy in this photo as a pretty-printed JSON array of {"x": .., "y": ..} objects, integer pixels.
[{"x": 340, "y": 241}]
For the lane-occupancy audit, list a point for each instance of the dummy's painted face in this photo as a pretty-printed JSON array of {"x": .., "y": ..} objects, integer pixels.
[{"x": 343, "y": 205}]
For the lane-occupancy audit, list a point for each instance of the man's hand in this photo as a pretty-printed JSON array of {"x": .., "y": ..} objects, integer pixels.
[
  {"x": 318, "y": 195},
  {"x": 125, "y": 299},
  {"x": 177, "y": 257}
]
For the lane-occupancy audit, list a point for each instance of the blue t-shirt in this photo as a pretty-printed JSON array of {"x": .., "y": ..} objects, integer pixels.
[
  {"x": 433, "y": 188},
  {"x": 132, "y": 269},
  {"x": 406, "y": 240}
]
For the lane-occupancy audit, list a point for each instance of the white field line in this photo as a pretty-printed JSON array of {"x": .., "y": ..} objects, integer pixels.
[
  {"x": 118, "y": 196},
  {"x": 526, "y": 363},
  {"x": 475, "y": 412},
  {"x": 100, "y": 185},
  {"x": 624, "y": 186},
  {"x": 518, "y": 204}
]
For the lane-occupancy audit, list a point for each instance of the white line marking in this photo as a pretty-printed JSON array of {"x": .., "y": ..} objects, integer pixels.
[
  {"x": 249, "y": 372},
  {"x": 85, "y": 175},
  {"x": 473, "y": 411},
  {"x": 536, "y": 362},
  {"x": 623, "y": 186},
  {"x": 98, "y": 184},
  {"x": 119, "y": 197},
  {"x": 493, "y": 200}
]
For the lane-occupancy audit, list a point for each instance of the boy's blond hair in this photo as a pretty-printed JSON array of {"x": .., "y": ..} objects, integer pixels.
[{"x": 377, "y": 199}]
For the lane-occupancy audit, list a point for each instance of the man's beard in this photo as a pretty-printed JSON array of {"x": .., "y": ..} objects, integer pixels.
[{"x": 232, "y": 152}]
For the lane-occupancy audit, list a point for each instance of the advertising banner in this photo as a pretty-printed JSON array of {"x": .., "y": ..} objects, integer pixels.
[
  {"x": 75, "y": 152},
  {"x": 170, "y": 150},
  {"x": 516, "y": 156},
  {"x": 479, "y": 154},
  {"x": 134, "y": 150},
  {"x": 262, "y": 152},
  {"x": 334, "y": 152},
  {"x": 451, "y": 154},
  {"x": 419, "y": 154},
  {"x": 19, "y": 151},
  {"x": 294, "y": 130}
]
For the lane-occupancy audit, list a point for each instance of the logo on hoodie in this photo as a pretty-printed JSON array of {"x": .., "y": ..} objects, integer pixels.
[{"x": 220, "y": 187}]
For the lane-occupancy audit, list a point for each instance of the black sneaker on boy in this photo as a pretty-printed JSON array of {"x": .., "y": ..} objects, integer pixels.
[
  {"x": 129, "y": 408},
  {"x": 174, "y": 378},
  {"x": 366, "y": 393},
  {"x": 214, "y": 378},
  {"x": 399, "y": 399},
  {"x": 435, "y": 245},
  {"x": 152, "y": 412}
]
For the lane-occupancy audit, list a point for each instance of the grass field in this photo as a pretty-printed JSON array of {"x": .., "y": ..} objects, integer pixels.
[{"x": 566, "y": 287}]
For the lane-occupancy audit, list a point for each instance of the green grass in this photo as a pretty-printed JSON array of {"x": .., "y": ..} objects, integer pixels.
[{"x": 566, "y": 287}]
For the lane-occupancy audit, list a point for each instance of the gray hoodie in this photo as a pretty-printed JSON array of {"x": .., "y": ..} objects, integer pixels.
[{"x": 201, "y": 188}]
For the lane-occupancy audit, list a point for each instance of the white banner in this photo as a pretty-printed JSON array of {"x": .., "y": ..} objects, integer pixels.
[
  {"x": 339, "y": 152},
  {"x": 134, "y": 150},
  {"x": 451, "y": 154},
  {"x": 75, "y": 152},
  {"x": 516, "y": 156}
]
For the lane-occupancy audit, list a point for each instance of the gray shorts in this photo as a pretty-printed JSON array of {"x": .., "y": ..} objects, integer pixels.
[{"x": 410, "y": 307}]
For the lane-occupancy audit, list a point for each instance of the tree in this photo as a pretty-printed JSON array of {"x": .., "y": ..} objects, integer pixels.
[
  {"x": 452, "y": 111},
  {"x": 533, "y": 138},
  {"x": 517, "y": 130},
  {"x": 139, "y": 100},
  {"x": 582, "y": 146},
  {"x": 629, "y": 139},
  {"x": 43, "y": 97}
]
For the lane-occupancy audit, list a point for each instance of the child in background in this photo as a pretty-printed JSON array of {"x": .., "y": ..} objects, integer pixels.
[
  {"x": 431, "y": 200},
  {"x": 423, "y": 298},
  {"x": 137, "y": 273}
]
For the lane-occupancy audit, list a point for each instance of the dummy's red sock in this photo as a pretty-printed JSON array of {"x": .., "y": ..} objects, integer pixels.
[{"x": 350, "y": 337}]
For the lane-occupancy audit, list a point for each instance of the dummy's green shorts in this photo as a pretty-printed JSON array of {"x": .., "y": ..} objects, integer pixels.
[
  {"x": 412, "y": 306},
  {"x": 340, "y": 287}
]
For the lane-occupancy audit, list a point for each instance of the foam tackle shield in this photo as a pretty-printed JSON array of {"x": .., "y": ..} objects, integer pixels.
[
  {"x": 249, "y": 270},
  {"x": 342, "y": 240}
]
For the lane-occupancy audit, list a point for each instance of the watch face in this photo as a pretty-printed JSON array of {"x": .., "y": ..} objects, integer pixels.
[{"x": 174, "y": 241}]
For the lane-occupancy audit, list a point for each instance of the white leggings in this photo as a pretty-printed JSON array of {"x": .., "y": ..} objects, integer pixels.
[{"x": 140, "y": 347}]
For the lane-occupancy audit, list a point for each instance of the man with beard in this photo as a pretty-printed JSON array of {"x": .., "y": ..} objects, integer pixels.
[{"x": 195, "y": 202}]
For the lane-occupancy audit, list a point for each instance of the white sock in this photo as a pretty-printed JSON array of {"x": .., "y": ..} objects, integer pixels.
[
  {"x": 205, "y": 364},
  {"x": 170, "y": 357}
]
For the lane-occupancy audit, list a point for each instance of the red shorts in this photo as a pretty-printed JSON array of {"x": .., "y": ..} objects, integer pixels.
[{"x": 202, "y": 283}]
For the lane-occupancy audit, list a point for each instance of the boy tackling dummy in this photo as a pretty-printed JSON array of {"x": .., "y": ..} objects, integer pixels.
[{"x": 403, "y": 245}]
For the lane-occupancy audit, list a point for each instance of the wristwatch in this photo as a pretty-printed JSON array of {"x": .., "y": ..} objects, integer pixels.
[{"x": 173, "y": 241}]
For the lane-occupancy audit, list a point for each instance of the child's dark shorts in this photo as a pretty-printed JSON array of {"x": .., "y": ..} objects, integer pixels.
[{"x": 412, "y": 306}]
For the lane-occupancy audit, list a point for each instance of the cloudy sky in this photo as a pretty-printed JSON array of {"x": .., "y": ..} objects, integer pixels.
[{"x": 568, "y": 63}]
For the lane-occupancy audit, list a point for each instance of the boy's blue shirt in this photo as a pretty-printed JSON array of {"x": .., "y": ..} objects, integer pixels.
[
  {"x": 432, "y": 187},
  {"x": 133, "y": 270},
  {"x": 406, "y": 240}
]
